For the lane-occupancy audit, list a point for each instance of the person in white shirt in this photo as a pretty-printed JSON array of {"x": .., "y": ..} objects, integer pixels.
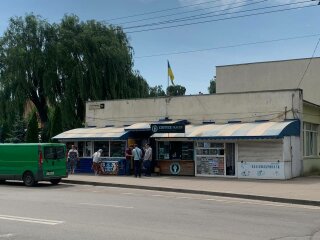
[
  {"x": 147, "y": 160},
  {"x": 137, "y": 157},
  {"x": 96, "y": 162}
]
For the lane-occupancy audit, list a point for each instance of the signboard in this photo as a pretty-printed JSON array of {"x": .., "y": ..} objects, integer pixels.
[
  {"x": 96, "y": 106},
  {"x": 168, "y": 128},
  {"x": 263, "y": 170}
]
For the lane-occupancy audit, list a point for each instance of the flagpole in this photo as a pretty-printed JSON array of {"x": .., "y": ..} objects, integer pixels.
[{"x": 167, "y": 91}]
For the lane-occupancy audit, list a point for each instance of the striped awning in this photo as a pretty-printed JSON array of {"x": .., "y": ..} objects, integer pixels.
[
  {"x": 93, "y": 134},
  {"x": 254, "y": 130}
]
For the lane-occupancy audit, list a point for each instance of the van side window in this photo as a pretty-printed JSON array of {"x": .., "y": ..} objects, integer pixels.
[{"x": 54, "y": 153}]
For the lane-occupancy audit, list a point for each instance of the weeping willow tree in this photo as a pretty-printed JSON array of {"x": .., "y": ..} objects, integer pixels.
[{"x": 65, "y": 65}]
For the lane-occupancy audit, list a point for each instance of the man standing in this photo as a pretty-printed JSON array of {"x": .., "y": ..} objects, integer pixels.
[
  {"x": 73, "y": 157},
  {"x": 96, "y": 162},
  {"x": 137, "y": 155},
  {"x": 147, "y": 160}
]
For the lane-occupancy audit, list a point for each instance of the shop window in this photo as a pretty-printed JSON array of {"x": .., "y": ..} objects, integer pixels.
[
  {"x": 175, "y": 150},
  {"x": 117, "y": 149},
  {"x": 104, "y": 145},
  {"x": 88, "y": 149},
  {"x": 80, "y": 149},
  {"x": 216, "y": 159},
  {"x": 310, "y": 142}
]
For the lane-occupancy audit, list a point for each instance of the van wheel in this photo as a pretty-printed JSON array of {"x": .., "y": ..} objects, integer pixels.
[
  {"x": 28, "y": 179},
  {"x": 55, "y": 181}
]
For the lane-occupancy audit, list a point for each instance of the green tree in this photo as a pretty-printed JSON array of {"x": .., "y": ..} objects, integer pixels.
[
  {"x": 56, "y": 123},
  {"x": 156, "y": 91},
  {"x": 18, "y": 132},
  {"x": 212, "y": 87},
  {"x": 176, "y": 90},
  {"x": 65, "y": 65},
  {"x": 32, "y": 135}
]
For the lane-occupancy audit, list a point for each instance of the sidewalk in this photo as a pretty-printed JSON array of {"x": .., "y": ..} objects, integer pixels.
[{"x": 303, "y": 190}]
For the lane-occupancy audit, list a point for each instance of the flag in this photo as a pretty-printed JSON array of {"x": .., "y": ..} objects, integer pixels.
[{"x": 170, "y": 73}]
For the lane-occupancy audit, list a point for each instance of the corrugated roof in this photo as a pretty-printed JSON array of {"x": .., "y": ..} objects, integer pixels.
[{"x": 107, "y": 133}]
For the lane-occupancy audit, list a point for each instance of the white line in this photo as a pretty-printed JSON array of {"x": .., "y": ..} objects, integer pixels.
[
  {"x": 30, "y": 220},
  {"x": 6, "y": 235},
  {"x": 105, "y": 205}
]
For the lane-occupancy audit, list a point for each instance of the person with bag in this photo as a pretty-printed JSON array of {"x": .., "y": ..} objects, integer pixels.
[
  {"x": 137, "y": 157},
  {"x": 73, "y": 158}
]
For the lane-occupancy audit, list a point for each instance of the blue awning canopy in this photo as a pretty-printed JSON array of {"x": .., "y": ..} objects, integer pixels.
[
  {"x": 92, "y": 134},
  {"x": 254, "y": 130}
]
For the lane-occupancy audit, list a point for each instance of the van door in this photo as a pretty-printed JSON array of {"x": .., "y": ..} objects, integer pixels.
[{"x": 54, "y": 161}]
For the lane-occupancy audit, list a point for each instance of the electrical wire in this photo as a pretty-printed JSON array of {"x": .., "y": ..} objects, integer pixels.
[
  {"x": 229, "y": 46},
  {"x": 196, "y": 17},
  {"x": 185, "y": 12},
  {"x": 163, "y": 10},
  {"x": 217, "y": 20},
  {"x": 304, "y": 74}
]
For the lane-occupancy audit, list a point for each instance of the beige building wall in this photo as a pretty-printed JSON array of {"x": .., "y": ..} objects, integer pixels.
[
  {"x": 271, "y": 76},
  {"x": 220, "y": 108},
  {"x": 311, "y": 114}
]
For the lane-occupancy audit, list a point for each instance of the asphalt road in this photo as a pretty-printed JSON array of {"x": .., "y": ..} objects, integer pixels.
[{"x": 87, "y": 212}]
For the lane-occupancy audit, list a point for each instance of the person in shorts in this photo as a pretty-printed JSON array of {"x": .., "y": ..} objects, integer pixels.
[{"x": 73, "y": 158}]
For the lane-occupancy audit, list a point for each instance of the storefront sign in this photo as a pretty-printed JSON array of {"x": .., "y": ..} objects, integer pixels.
[
  {"x": 168, "y": 128},
  {"x": 263, "y": 170},
  {"x": 175, "y": 168}
]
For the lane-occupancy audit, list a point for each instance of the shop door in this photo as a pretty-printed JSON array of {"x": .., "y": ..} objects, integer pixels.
[{"x": 230, "y": 159}]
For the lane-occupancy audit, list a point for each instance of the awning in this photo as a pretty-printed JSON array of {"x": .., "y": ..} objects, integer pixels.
[
  {"x": 254, "y": 130},
  {"x": 145, "y": 126},
  {"x": 93, "y": 134}
]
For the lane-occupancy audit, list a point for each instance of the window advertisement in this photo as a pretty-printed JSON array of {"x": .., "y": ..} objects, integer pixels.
[{"x": 210, "y": 159}]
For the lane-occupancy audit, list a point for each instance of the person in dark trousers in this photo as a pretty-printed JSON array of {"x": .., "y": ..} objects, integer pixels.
[
  {"x": 147, "y": 160},
  {"x": 137, "y": 157},
  {"x": 128, "y": 159}
]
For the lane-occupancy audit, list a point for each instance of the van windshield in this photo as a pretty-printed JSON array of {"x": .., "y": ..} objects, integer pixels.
[{"x": 54, "y": 152}]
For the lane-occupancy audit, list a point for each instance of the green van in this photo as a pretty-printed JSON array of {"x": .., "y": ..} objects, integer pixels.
[{"x": 33, "y": 162}]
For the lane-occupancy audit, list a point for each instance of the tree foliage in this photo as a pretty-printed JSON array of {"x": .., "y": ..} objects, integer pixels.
[
  {"x": 156, "y": 91},
  {"x": 64, "y": 64},
  {"x": 18, "y": 132},
  {"x": 32, "y": 130},
  {"x": 56, "y": 123},
  {"x": 176, "y": 90},
  {"x": 212, "y": 87}
]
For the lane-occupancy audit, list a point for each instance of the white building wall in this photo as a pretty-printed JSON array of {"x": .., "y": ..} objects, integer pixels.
[
  {"x": 261, "y": 159},
  {"x": 271, "y": 76},
  {"x": 221, "y": 108}
]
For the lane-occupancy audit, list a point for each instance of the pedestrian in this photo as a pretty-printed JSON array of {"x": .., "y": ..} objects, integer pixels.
[
  {"x": 73, "y": 158},
  {"x": 147, "y": 160},
  {"x": 137, "y": 158},
  {"x": 128, "y": 159},
  {"x": 96, "y": 162}
]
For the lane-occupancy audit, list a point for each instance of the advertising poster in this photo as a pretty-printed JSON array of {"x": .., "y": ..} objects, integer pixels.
[{"x": 263, "y": 170}]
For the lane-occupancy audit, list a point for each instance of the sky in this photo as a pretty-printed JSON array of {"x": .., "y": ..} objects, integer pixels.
[{"x": 223, "y": 37}]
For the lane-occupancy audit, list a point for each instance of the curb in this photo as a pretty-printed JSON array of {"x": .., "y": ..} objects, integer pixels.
[{"x": 189, "y": 191}]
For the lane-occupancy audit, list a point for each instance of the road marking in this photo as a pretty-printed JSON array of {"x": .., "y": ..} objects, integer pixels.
[
  {"x": 288, "y": 205},
  {"x": 30, "y": 220},
  {"x": 105, "y": 205},
  {"x": 6, "y": 235}
]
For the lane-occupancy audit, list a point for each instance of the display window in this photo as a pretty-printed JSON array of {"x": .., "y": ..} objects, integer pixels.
[
  {"x": 111, "y": 148},
  {"x": 175, "y": 150},
  {"x": 215, "y": 159}
]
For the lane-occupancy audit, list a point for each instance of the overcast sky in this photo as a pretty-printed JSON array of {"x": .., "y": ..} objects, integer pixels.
[{"x": 194, "y": 69}]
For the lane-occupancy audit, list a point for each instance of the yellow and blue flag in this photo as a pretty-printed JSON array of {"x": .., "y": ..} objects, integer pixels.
[{"x": 170, "y": 73}]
